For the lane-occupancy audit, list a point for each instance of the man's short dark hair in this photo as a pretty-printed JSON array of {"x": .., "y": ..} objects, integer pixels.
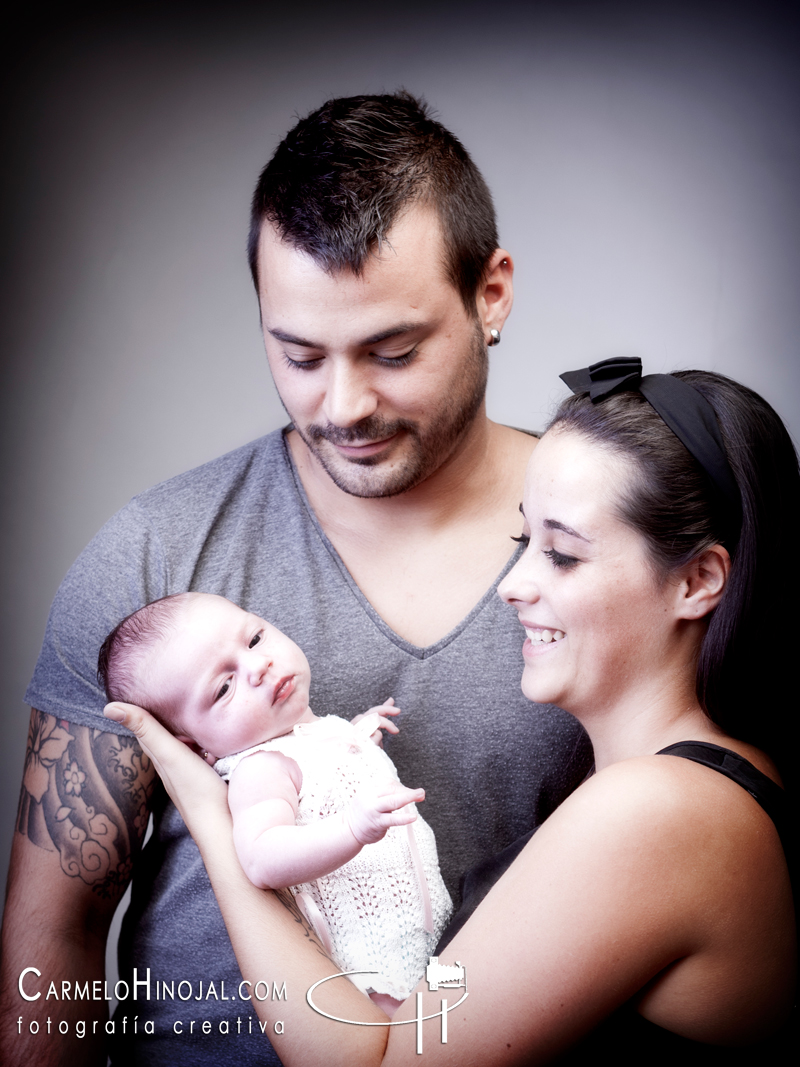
[{"x": 341, "y": 177}]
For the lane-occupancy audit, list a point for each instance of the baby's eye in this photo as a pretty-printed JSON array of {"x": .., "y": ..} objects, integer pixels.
[
  {"x": 223, "y": 690},
  {"x": 255, "y": 639}
]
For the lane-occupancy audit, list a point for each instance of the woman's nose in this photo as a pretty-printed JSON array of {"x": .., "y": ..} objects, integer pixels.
[{"x": 519, "y": 586}]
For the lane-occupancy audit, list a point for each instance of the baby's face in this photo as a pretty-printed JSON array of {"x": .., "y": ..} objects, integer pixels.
[{"x": 231, "y": 679}]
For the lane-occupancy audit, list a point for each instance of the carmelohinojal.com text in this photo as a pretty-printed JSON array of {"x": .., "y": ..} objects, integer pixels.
[{"x": 143, "y": 989}]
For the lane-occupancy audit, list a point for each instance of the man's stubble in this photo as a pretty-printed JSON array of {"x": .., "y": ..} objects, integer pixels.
[{"x": 431, "y": 446}]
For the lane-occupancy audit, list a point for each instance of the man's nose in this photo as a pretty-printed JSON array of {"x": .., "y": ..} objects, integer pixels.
[{"x": 349, "y": 396}]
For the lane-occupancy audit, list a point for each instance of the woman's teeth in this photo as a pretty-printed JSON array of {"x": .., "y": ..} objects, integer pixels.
[{"x": 544, "y": 636}]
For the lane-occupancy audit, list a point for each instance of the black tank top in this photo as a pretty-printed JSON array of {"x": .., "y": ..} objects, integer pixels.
[{"x": 626, "y": 1037}]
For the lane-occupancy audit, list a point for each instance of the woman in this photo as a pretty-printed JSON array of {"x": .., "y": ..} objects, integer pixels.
[{"x": 658, "y": 513}]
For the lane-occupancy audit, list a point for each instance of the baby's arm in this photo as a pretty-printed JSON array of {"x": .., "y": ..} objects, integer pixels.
[{"x": 274, "y": 852}]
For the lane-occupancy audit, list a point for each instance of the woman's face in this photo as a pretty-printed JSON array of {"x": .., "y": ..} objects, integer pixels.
[{"x": 599, "y": 623}]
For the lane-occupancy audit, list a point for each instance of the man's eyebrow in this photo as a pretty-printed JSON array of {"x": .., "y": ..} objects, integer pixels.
[
  {"x": 290, "y": 339},
  {"x": 393, "y": 331},
  {"x": 376, "y": 338},
  {"x": 554, "y": 524}
]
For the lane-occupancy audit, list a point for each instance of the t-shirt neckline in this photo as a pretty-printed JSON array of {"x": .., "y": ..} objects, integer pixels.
[{"x": 418, "y": 651}]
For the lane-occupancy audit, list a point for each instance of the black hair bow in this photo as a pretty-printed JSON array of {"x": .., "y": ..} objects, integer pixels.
[
  {"x": 683, "y": 408},
  {"x": 616, "y": 375}
]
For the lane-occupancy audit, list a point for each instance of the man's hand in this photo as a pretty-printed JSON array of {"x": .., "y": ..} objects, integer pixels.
[
  {"x": 370, "y": 815},
  {"x": 381, "y": 710}
]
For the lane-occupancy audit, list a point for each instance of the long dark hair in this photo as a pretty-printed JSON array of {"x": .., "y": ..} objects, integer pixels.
[{"x": 743, "y": 672}]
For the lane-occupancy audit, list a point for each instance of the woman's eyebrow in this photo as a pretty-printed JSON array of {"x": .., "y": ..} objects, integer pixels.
[{"x": 554, "y": 524}]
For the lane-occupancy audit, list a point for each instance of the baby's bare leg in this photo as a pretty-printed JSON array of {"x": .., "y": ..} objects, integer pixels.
[{"x": 387, "y": 1004}]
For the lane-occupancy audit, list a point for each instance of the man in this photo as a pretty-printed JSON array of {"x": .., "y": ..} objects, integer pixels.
[{"x": 373, "y": 531}]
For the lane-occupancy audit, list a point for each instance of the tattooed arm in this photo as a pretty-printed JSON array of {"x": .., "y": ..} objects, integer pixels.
[{"x": 82, "y": 815}]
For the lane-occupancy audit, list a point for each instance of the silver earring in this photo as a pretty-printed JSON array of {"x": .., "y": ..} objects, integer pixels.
[{"x": 494, "y": 338}]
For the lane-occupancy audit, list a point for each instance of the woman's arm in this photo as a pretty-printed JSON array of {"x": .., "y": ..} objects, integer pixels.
[
  {"x": 274, "y": 851},
  {"x": 617, "y": 889}
]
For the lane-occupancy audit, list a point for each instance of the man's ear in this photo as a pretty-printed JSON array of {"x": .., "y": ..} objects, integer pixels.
[
  {"x": 496, "y": 293},
  {"x": 703, "y": 582}
]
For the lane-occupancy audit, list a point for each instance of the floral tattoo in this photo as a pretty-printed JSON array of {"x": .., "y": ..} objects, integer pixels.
[{"x": 85, "y": 794}]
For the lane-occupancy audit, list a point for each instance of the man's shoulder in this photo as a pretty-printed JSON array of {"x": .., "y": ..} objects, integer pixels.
[
  {"x": 211, "y": 500},
  {"x": 265, "y": 456},
  {"x": 181, "y": 513}
]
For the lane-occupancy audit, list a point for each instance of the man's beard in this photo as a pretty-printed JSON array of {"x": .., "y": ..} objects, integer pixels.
[{"x": 430, "y": 446}]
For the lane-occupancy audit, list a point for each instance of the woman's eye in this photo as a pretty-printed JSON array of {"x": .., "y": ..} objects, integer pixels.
[
  {"x": 523, "y": 539},
  {"x": 255, "y": 639},
  {"x": 223, "y": 690},
  {"x": 559, "y": 560}
]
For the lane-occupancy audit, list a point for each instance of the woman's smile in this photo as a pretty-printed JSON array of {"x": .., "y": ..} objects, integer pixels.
[{"x": 541, "y": 635}]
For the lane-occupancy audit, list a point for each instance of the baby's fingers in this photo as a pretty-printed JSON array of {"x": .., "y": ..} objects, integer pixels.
[
  {"x": 399, "y": 798},
  {"x": 401, "y": 817},
  {"x": 387, "y": 725},
  {"x": 388, "y": 707}
]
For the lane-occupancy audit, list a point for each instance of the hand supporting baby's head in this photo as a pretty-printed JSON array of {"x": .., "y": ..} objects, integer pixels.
[{"x": 218, "y": 677}]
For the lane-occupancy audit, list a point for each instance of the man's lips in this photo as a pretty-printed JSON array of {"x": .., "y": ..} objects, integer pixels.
[
  {"x": 368, "y": 448},
  {"x": 283, "y": 689}
]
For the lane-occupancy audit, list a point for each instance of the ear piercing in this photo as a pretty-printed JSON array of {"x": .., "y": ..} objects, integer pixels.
[{"x": 494, "y": 338}]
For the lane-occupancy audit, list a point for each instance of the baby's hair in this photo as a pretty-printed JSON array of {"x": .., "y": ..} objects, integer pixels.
[{"x": 123, "y": 654}]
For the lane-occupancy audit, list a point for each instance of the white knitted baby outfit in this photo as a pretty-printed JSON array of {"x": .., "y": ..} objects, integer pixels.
[{"x": 373, "y": 908}]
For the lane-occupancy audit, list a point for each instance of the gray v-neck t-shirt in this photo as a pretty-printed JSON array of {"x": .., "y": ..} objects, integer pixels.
[{"x": 492, "y": 764}]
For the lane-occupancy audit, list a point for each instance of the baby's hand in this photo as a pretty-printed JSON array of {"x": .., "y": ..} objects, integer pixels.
[
  {"x": 382, "y": 710},
  {"x": 369, "y": 815}
]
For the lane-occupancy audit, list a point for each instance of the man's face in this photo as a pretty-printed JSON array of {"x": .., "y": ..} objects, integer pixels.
[{"x": 382, "y": 374}]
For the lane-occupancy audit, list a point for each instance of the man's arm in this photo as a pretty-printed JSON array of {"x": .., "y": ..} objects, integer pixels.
[{"x": 82, "y": 816}]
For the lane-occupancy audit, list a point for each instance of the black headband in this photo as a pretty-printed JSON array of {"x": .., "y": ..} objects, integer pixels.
[{"x": 686, "y": 411}]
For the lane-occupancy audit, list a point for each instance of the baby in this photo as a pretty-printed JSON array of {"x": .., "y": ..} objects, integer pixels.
[{"x": 316, "y": 803}]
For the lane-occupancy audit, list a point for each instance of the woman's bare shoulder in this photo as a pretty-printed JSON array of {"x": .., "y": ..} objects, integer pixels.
[
  {"x": 712, "y": 861},
  {"x": 656, "y": 872},
  {"x": 669, "y": 821},
  {"x": 666, "y": 798}
]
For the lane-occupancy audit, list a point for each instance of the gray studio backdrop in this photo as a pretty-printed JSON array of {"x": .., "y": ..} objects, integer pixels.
[{"x": 645, "y": 169}]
